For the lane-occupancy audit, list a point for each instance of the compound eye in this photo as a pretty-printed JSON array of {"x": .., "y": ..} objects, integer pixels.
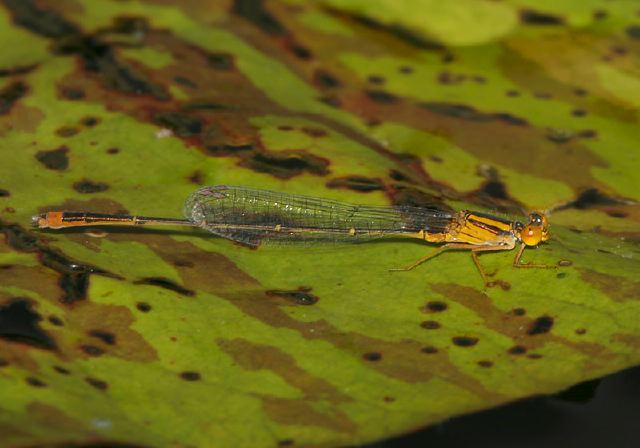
[{"x": 531, "y": 235}]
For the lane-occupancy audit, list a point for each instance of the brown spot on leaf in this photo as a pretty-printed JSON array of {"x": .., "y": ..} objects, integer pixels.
[
  {"x": 254, "y": 357},
  {"x": 518, "y": 311},
  {"x": 314, "y": 132},
  {"x": 617, "y": 288},
  {"x": 4, "y": 193},
  {"x": 55, "y": 159},
  {"x": 485, "y": 363},
  {"x": 469, "y": 113}
]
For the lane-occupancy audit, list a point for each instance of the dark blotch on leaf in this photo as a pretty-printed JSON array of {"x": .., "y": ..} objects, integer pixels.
[
  {"x": 41, "y": 21},
  {"x": 55, "y": 320},
  {"x": 372, "y": 356},
  {"x": 55, "y": 159},
  {"x": 10, "y": 94},
  {"x": 62, "y": 370},
  {"x": 592, "y": 197},
  {"x": 464, "y": 341},
  {"x": 228, "y": 150},
  {"x": 314, "y": 132},
  {"x": 3, "y": 362},
  {"x": 113, "y": 151},
  {"x": 324, "y": 79},
  {"x": 90, "y": 121},
  {"x": 286, "y": 442},
  {"x": 302, "y": 296},
  {"x": 92, "y": 350},
  {"x": 430, "y": 325},
  {"x": 165, "y": 283},
  {"x": 87, "y": 186},
  {"x": 98, "y": 384},
  {"x": 74, "y": 276},
  {"x": 518, "y": 311},
  {"x": 4, "y": 193},
  {"x": 331, "y": 101},
  {"x": 20, "y": 323},
  {"x": 99, "y": 57},
  {"x": 286, "y": 164},
  {"x": 464, "y": 112},
  {"x": 531, "y": 17},
  {"x": 72, "y": 93},
  {"x": 35, "y": 382},
  {"x": 143, "y": 306},
  {"x": 380, "y": 96},
  {"x": 301, "y": 52},
  {"x": 185, "y": 82},
  {"x": 541, "y": 325},
  {"x": 633, "y": 31},
  {"x": 255, "y": 12},
  {"x": 495, "y": 190},
  {"x": 581, "y": 331},
  {"x": 376, "y": 79},
  {"x": 435, "y": 306},
  {"x": 429, "y": 349},
  {"x": 485, "y": 363},
  {"x": 105, "y": 336},
  {"x": 182, "y": 124},
  {"x": 400, "y": 32},
  {"x": 190, "y": 376},
  {"x": 67, "y": 131},
  {"x": 517, "y": 350},
  {"x": 357, "y": 183},
  {"x": 220, "y": 61}
]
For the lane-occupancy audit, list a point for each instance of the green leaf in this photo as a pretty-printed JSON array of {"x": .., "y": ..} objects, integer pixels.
[{"x": 173, "y": 337}]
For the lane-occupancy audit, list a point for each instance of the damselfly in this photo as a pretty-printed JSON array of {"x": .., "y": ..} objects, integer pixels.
[{"x": 251, "y": 216}]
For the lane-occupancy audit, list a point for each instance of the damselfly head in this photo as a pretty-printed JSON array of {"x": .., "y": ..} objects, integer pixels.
[{"x": 536, "y": 230}]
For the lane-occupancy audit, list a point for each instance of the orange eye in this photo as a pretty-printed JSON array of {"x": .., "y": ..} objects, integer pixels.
[{"x": 532, "y": 235}]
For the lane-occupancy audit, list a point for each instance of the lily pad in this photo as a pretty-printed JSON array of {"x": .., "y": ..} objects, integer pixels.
[{"x": 173, "y": 337}]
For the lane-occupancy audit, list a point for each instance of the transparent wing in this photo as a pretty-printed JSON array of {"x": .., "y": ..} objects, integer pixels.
[{"x": 252, "y": 216}]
